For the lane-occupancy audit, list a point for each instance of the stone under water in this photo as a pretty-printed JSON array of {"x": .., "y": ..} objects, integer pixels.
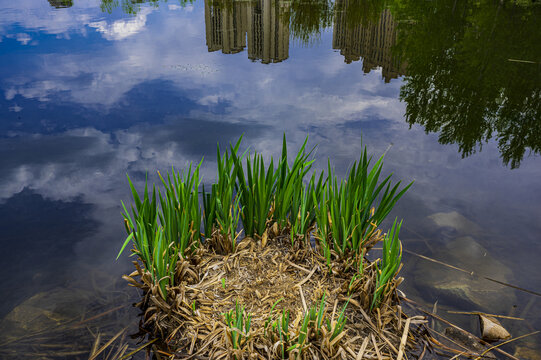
[
  {"x": 491, "y": 329},
  {"x": 44, "y": 311},
  {"x": 470, "y": 291},
  {"x": 456, "y": 221}
]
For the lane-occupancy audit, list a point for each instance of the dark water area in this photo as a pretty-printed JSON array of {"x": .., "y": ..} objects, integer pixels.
[{"x": 91, "y": 90}]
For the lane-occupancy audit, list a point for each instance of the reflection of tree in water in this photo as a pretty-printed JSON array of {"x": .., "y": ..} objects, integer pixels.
[
  {"x": 461, "y": 82},
  {"x": 133, "y": 6},
  {"x": 59, "y": 4},
  {"x": 308, "y": 17},
  {"x": 360, "y": 11}
]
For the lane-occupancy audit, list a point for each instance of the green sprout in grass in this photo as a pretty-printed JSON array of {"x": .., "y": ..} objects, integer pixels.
[
  {"x": 269, "y": 319},
  {"x": 335, "y": 328},
  {"x": 281, "y": 334},
  {"x": 302, "y": 337},
  {"x": 359, "y": 273},
  {"x": 311, "y": 324},
  {"x": 239, "y": 323}
]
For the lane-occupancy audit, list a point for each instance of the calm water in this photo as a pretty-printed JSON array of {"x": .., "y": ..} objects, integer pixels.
[{"x": 93, "y": 90}]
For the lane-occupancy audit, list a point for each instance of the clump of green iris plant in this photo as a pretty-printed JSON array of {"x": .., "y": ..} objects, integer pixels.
[
  {"x": 350, "y": 211},
  {"x": 342, "y": 216},
  {"x": 160, "y": 234},
  {"x": 221, "y": 207}
]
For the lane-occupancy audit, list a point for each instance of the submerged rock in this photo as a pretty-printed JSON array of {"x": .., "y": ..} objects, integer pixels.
[
  {"x": 528, "y": 352},
  {"x": 44, "y": 311},
  {"x": 465, "y": 290},
  {"x": 455, "y": 221},
  {"x": 466, "y": 340},
  {"x": 491, "y": 329}
]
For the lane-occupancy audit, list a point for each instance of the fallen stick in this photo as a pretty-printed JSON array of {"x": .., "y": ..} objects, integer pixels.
[
  {"x": 402, "y": 346},
  {"x": 472, "y": 273},
  {"x": 302, "y": 298},
  {"x": 307, "y": 277},
  {"x": 495, "y": 347},
  {"x": 482, "y": 313}
]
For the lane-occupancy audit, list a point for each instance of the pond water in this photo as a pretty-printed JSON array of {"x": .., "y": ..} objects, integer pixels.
[{"x": 89, "y": 91}]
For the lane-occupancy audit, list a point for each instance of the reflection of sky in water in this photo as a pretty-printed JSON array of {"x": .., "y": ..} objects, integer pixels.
[{"x": 87, "y": 97}]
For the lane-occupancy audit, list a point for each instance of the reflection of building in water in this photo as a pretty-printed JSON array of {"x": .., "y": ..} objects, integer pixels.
[
  {"x": 59, "y": 4},
  {"x": 370, "y": 41},
  {"x": 268, "y": 35},
  {"x": 262, "y": 20},
  {"x": 226, "y": 26}
]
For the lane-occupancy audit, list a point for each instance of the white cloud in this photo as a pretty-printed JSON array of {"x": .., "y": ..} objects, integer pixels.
[
  {"x": 10, "y": 93},
  {"x": 23, "y": 38},
  {"x": 121, "y": 29},
  {"x": 73, "y": 20},
  {"x": 40, "y": 90},
  {"x": 15, "y": 108},
  {"x": 29, "y": 15}
]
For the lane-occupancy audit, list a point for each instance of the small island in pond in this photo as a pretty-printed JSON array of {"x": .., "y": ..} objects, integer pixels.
[{"x": 272, "y": 261}]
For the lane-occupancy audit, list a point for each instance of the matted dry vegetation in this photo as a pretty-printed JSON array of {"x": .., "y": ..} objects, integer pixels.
[{"x": 269, "y": 280}]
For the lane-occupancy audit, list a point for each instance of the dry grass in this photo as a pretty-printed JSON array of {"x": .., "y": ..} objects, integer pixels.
[{"x": 268, "y": 278}]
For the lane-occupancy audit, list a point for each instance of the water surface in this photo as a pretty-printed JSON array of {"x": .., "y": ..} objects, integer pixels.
[{"x": 91, "y": 90}]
